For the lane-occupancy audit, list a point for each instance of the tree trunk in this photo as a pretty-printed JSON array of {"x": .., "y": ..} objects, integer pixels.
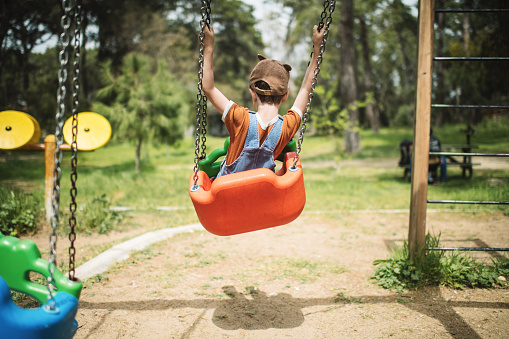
[
  {"x": 408, "y": 77},
  {"x": 371, "y": 110},
  {"x": 83, "y": 59},
  {"x": 348, "y": 82},
  {"x": 138, "y": 156},
  {"x": 466, "y": 33}
]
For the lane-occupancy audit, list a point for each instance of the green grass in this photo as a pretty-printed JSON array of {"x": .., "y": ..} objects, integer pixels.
[
  {"x": 434, "y": 267},
  {"x": 164, "y": 178}
]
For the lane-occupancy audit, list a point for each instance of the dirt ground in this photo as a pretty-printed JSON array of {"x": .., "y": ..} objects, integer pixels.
[{"x": 309, "y": 279}]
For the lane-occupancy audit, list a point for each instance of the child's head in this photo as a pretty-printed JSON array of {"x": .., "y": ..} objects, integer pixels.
[{"x": 269, "y": 80}]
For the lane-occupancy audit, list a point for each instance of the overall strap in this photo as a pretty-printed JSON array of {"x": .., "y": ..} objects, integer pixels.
[
  {"x": 252, "y": 137},
  {"x": 272, "y": 139}
]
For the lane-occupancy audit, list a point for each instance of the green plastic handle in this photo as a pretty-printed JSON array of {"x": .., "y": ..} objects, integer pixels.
[
  {"x": 19, "y": 258},
  {"x": 210, "y": 165}
]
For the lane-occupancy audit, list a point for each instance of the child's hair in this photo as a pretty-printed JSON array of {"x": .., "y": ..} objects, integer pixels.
[{"x": 268, "y": 99}]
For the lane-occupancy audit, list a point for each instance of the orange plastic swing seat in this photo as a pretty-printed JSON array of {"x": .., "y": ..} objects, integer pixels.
[{"x": 249, "y": 201}]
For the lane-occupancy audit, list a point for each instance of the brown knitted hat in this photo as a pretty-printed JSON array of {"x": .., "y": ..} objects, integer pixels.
[{"x": 274, "y": 73}]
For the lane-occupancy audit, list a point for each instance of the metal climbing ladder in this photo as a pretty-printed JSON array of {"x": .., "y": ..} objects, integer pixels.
[{"x": 419, "y": 201}]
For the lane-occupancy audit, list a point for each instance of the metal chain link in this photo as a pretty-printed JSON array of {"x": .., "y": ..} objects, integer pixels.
[
  {"x": 74, "y": 143},
  {"x": 63, "y": 58},
  {"x": 201, "y": 105},
  {"x": 325, "y": 21},
  {"x": 326, "y": 4}
]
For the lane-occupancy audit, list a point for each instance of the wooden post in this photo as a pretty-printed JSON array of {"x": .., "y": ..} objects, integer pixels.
[
  {"x": 48, "y": 147},
  {"x": 49, "y": 167},
  {"x": 420, "y": 157}
]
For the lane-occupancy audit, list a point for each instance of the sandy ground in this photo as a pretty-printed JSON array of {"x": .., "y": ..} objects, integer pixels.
[{"x": 309, "y": 279}]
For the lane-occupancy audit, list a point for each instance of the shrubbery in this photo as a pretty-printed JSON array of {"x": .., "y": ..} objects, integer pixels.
[
  {"x": 456, "y": 270},
  {"x": 96, "y": 216},
  {"x": 19, "y": 213}
]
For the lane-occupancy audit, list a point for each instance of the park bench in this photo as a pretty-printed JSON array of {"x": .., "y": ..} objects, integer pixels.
[{"x": 463, "y": 161}]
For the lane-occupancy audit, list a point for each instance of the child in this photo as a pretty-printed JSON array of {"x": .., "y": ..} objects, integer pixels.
[{"x": 257, "y": 138}]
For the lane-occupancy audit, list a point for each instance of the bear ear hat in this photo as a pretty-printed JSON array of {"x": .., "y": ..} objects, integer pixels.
[{"x": 286, "y": 66}]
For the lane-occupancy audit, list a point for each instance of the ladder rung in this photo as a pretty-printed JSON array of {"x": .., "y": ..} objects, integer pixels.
[
  {"x": 483, "y": 249},
  {"x": 499, "y": 155},
  {"x": 485, "y": 10},
  {"x": 468, "y": 106},
  {"x": 468, "y": 202},
  {"x": 470, "y": 58}
]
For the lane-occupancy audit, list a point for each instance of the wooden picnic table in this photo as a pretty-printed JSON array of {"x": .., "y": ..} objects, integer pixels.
[{"x": 466, "y": 162}]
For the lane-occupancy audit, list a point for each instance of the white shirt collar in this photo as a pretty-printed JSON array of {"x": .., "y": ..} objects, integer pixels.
[{"x": 263, "y": 125}]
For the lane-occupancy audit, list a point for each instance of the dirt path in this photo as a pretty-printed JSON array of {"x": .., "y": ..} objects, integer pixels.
[{"x": 309, "y": 279}]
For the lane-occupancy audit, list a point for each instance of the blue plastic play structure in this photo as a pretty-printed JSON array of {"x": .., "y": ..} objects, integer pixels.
[
  {"x": 19, "y": 259},
  {"x": 19, "y": 323}
]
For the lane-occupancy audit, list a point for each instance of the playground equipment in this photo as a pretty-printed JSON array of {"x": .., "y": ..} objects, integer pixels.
[
  {"x": 94, "y": 131},
  {"x": 419, "y": 201},
  {"x": 55, "y": 318},
  {"x": 20, "y": 132},
  {"x": 18, "y": 129},
  {"x": 19, "y": 259},
  {"x": 254, "y": 199}
]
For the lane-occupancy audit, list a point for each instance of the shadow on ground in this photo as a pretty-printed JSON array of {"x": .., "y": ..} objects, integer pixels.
[{"x": 262, "y": 311}]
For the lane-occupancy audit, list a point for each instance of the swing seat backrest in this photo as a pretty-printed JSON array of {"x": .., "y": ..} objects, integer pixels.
[
  {"x": 249, "y": 201},
  {"x": 19, "y": 258},
  {"x": 19, "y": 323},
  {"x": 211, "y": 165}
]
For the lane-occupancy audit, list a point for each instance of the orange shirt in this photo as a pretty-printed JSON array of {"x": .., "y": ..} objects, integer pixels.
[{"x": 236, "y": 119}]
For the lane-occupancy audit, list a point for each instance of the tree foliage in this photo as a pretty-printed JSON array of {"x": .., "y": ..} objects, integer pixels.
[
  {"x": 144, "y": 102},
  {"x": 384, "y": 50}
]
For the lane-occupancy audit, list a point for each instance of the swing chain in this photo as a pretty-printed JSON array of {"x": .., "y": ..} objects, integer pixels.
[
  {"x": 63, "y": 58},
  {"x": 324, "y": 24},
  {"x": 74, "y": 143},
  {"x": 201, "y": 105}
]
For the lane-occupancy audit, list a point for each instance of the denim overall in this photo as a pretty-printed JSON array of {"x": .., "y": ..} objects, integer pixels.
[{"x": 255, "y": 155}]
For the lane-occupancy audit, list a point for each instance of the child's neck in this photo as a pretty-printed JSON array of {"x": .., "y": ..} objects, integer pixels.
[{"x": 267, "y": 112}]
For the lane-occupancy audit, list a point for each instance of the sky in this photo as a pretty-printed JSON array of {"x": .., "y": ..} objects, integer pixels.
[{"x": 272, "y": 22}]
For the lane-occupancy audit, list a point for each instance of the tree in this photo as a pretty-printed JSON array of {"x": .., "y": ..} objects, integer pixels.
[
  {"x": 23, "y": 25},
  {"x": 371, "y": 110},
  {"x": 237, "y": 43},
  {"x": 144, "y": 102},
  {"x": 348, "y": 79}
]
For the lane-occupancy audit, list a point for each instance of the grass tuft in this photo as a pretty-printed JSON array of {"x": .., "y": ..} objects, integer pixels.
[{"x": 456, "y": 270}]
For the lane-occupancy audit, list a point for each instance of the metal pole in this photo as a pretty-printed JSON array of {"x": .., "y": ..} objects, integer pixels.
[
  {"x": 496, "y": 155},
  {"x": 487, "y": 10},
  {"x": 469, "y": 202},
  {"x": 481, "y": 249},
  {"x": 470, "y": 106}
]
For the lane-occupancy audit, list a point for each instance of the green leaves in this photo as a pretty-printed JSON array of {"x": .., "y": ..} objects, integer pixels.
[
  {"x": 436, "y": 268},
  {"x": 144, "y": 102},
  {"x": 18, "y": 213},
  {"x": 96, "y": 216}
]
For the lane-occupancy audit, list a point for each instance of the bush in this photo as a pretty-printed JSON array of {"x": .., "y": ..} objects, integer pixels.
[
  {"x": 19, "y": 213},
  {"x": 96, "y": 216},
  {"x": 457, "y": 270}
]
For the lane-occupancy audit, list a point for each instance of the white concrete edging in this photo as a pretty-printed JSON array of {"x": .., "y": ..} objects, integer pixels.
[{"x": 119, "y": 252}]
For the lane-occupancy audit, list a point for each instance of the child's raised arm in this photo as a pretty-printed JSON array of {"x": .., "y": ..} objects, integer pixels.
[
  {"x": 213, "y": 94},
  {"x": 302, "y": 97}
]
